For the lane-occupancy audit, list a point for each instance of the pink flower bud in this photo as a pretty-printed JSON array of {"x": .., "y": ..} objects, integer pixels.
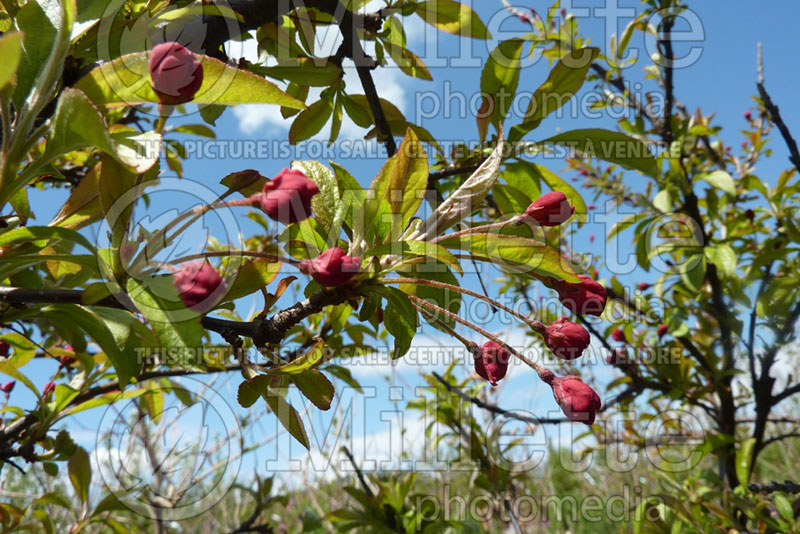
[
  {"x": 584, "y": 172},
  {"x": 332, "y": 268},
  {"x": 662, "y": 330},
  {"x": 566, "y": 339},
  {"x": 199, "y": 285},
  {"x": 66, "y": 361},
  {"x": 591, "y": 238},
  {"x": 8, "y": 387},
  {"x": 619, "y": 335},
  {"x": 287, "y": 197},
  {"x": 175, "y": 73},
  {"x": 578, "y": 401},
  {"x": 491, "y": 361},
  {"x": 563, "y": 12},
  {"x": 524, "y": 17},
  {"x": 591, "y": 207},
  {"x": 48, "y": 389},
  {"x": 644, "y": 286},
  {"x": 586, "y": 297},
  {"x": 5, "y": 348},
  {"x": 551, "y": 209},
  {"x": 748, "y": 115}
]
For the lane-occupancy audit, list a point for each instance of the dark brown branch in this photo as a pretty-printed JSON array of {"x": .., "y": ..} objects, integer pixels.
[
  {"x": 787, "y": 487},
  {"x": 775, "y": 116},
  {"x": 262, "y": 331},
  {"x": 359, "y": 474}
]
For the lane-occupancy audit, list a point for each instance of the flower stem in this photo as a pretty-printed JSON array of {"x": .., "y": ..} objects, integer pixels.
[
  {"x": 242, "y": 253},
  {"x": 540, "y": 370},
  {"x": 535, "y": 325}
]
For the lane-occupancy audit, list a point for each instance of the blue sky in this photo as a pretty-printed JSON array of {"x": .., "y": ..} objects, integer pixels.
[{"x": 721, "y": 80}]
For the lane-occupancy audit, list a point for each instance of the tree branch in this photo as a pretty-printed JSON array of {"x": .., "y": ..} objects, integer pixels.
[{"x": 787, "y": 487}]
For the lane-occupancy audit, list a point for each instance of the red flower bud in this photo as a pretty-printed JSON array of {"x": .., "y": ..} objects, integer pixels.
[
  {"x": 591, "y": 207},
  {"x": 524, "y": 17},
  {"x": 644, "y": 286},
  {"x": 619, "y": 335},
  {"x": 591, "y": 238},
  {"x": 586, "y": 297},
  {"x": 175, "y": 73},
  {"x": 332, "y": 268},
  {"x": 8, "y": 387},
  {"x": 578, "y": 401},
  {"x": 748, "y": 115},
  {"x": 66, "y": 361},
  {"x": 5, "y": 348},
  {"x": 584, "y": 172},
  {"x": 287, "y": 197},
  {"x": 566, "y": 339},
  {"x": 199, "y": 285},
  {"x": 491, "y": 361},
  {"x": 662, "y": 330},
  {"x": 563, "y": 12},
  {"x": 48, "y": 388},
  {"x": 551, "y": 209}
]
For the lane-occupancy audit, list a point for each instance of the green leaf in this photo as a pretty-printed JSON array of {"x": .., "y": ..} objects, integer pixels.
[
  {"x": 723, "y": 257},
  {"x": 41, "y": 235},
  {"x": 303, "y": 70},
  {"x": 250, "y": 390},
  {"x": 247, "y": 182},
  {"x": 325, "y": 204},
  {"x": 287, "y": 416},
  {"x": 516, "y": 252},
  {"x": 78, "y": 124},
  {"x": 10, "y": 51},
  {"x": 610, "y": 146},
  {"x": 45, "y": 26},
  {"x": 453, "y": 17},
  {"x": 400, "y": 319},
  {"x": 310, "y": 359},
  {"x": 783, "y": 506},
  {"x": 564, "y": 81},
  {"x": 417, "y": 248},
  {"x": 310, "y": 121},
  {"x": 126, "y": 82},
  {"x": 500, "y": 77},
  {"x": 744, "y": 459},
  {"x": 315, "y": 387},
  {"x": 398, "y": 189},
  {"x": 80, "y": 473},
  {"x": 252, "y": 276},
  {"x": 173, "y": 325},
  {"x": 408, "y": 62},
  {"x": 721, "y": 180},
  {"x": 464, "y": 200},
  {"x": 83, "y": 318},
  {"x": 519, "y": 175}
]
